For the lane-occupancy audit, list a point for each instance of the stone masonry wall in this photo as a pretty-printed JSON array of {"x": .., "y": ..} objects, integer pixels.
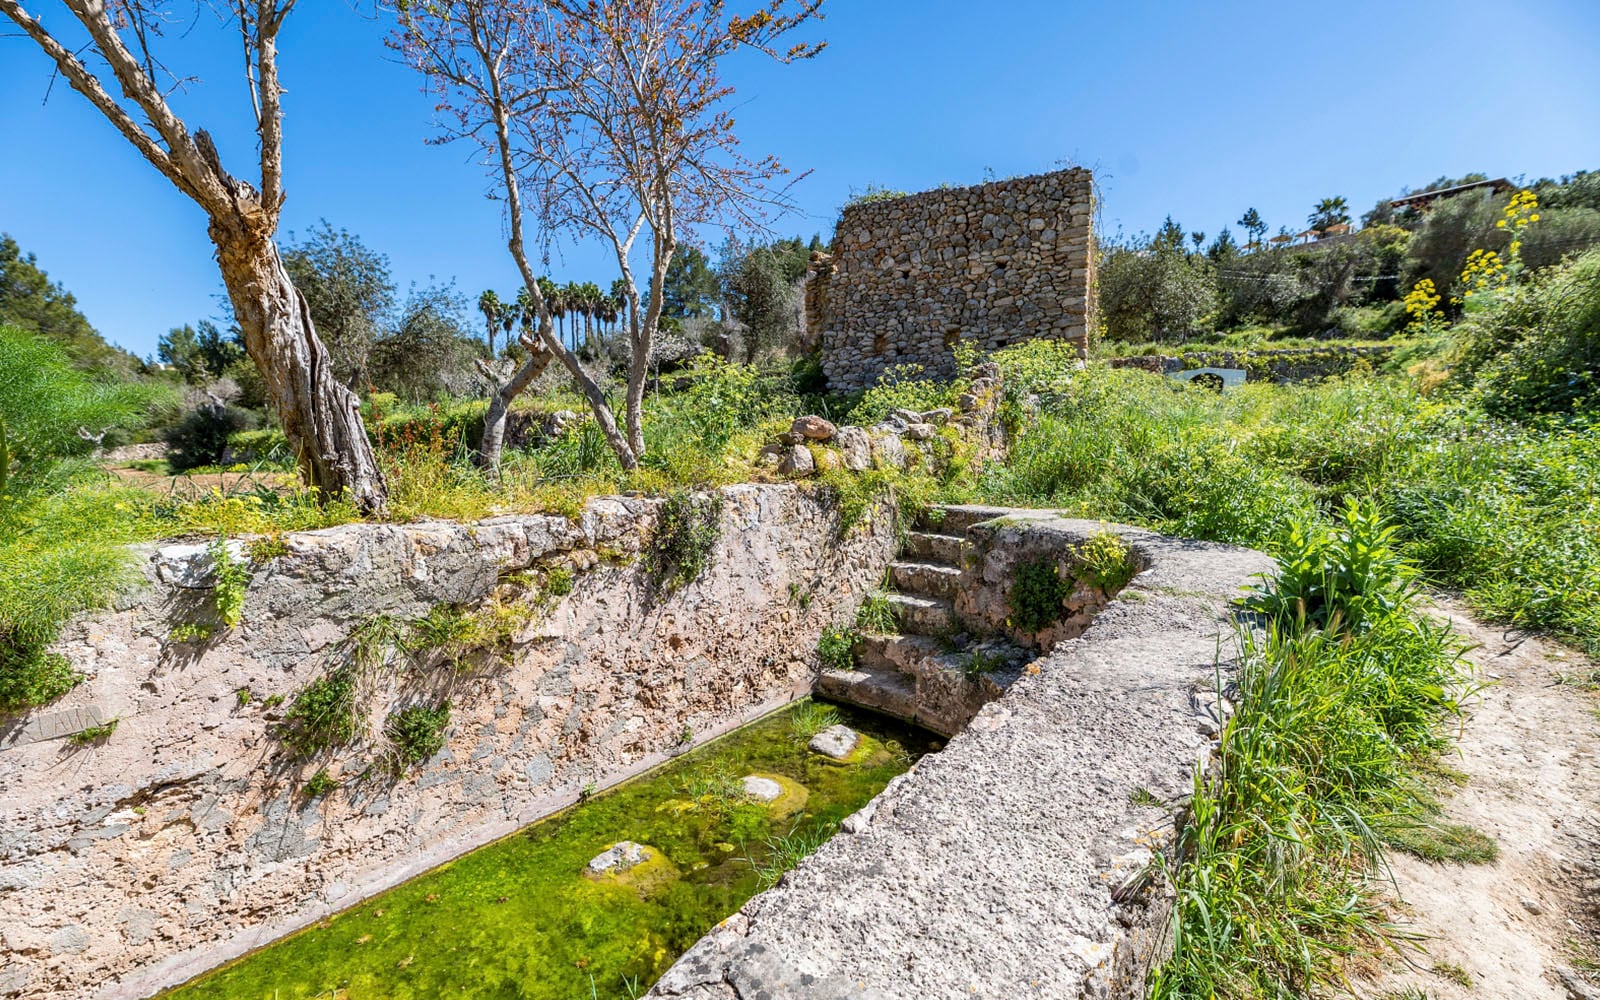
[
  {"x": 187, "y": 838},
  {"x": 994, "y": 264}
]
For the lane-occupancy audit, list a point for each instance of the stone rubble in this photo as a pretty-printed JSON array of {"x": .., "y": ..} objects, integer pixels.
[
  {"x": 837, "y": 741},
  {"x": 618, "y": 858}
]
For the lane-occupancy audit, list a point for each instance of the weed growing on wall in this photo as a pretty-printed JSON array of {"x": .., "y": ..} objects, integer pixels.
[
  {"x": 415, "y": 734},
  {"x": 1038, "y": 596},
  {"x": 323, "y": 715},
  {"x": 231, "y": 579},
  {"x": 836, "y": 649},
  {"x": 319, "y": 784},
  {"x": 93, "y": 735},
  {"x": 1105, "y": 562},
  {"x": 876, "y": 615},
  {"x": 687, "y": 529}
]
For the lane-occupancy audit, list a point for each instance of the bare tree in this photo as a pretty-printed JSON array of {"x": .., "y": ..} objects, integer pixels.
[
  {"x": 320, "y": 417},
  {"x": 613, "y": 115}
]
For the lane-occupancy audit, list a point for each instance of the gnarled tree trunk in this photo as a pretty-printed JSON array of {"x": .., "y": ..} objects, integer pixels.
[
  {"x": 321, "y": 418},
  {"x": 492, "y": 443}
]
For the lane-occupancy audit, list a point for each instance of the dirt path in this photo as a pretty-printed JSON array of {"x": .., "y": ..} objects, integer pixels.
[{"x": 1518, "y": 928}]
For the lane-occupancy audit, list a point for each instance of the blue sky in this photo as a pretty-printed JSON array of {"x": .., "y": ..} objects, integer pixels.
[{"x": 1200, "y": 110}]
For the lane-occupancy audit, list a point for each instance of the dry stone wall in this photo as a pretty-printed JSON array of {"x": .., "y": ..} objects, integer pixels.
[
  {"x": 994, "y": 264},
  {"x": 188, "y": 836}
]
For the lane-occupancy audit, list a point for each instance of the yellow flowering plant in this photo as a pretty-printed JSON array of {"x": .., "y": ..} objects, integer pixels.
[
  {"x": 1422, "y": 305},
  {"x": 1486, "y": 272}
]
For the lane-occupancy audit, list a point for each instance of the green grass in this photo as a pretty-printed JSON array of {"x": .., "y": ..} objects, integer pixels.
[
  {"x": 1509, "y": 514},
  {"x": 1281, "y": 861},
  {"x": 519, "y": 917}
]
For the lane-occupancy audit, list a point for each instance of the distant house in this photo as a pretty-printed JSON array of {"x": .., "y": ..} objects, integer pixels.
[
  {"x": 1312, "y": 235},
  {"x": 1423, "y": 199}
]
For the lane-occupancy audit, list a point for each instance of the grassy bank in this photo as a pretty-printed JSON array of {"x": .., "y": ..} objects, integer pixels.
[{"x": 1506, "y": 512}]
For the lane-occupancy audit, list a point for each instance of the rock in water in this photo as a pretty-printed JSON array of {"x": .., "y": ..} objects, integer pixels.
[
  {"x": 813, "y": 427},
  {"x": 835, "y": 741},
  {"x": 619, "y": 857},
  {"x": 761, "y": 789}
]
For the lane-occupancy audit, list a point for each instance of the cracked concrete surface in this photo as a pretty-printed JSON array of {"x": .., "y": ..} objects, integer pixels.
[{"x": 990, "y": 869}]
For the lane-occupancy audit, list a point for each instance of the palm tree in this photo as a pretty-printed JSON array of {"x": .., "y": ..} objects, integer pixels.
[
  {"x": 572, "y": 294},
  {"x": 619, "y": 295},
  {"x": 489, "y": 305},
  {"x": 1329, "y": 212}
]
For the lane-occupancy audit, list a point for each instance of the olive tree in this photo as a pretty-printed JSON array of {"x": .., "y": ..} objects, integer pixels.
[
  {"x": 320, "y": 417},
  {"x": 606, "y": 120}
]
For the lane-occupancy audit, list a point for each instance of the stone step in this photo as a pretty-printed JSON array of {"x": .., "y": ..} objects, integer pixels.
[
  {"x": 922, "y": 615},
  {"x": 923, "y": 579},
  {"x": 927, "y": 546},
  {"x": 886, "y": 691},
  {"x": 909, "y": 654},
  {"x": 955, "y": 519}
]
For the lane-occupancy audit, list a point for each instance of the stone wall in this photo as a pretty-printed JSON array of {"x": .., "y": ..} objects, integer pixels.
[
  {"x": 1282, "y": 364},
  {"x": 187, "y": 837},
  {"x": 994, "y": 264},
  {"x": 1016, "y": 861}
]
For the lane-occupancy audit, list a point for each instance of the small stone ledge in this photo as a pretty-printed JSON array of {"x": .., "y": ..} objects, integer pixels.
[{"x": 1009, "y": 863}]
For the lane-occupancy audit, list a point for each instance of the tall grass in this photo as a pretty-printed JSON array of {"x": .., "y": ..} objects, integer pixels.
[
  {"x": 1277, "y": 868},
  {"x": 1507, "y": 513}
]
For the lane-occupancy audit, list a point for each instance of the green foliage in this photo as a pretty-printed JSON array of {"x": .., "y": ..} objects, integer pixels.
[
  {"x": 836, "y": 649},
  {"x": 687, "y": 529},
  {"x": 876, "y": 615},
  {"x": 982, "y": 662},
  {"x": 201, "y": 436},
  {"x": 416, "y": 733},
  {"x": 1105, "y": 561},
  {"x": 231, "y": 579},
  {"x": 93, "y": 735},
  {"x": 1537, "y": 351},
  {"x": 1038, "y": 595},
  {"x": 902, "y": 387},
  {"x": 30, "y": 675},
  {"x": 318, "y": 784},
  {"x": 323, "y": 715},
  {"x": 1280, "y": 850},
  {"x": 811, "y": 718},
  {"x": 1343, "y": 575},
  {"x": 267, "y": 548},
  {"x": 189, "y": 632},
  {"x": 348, "y": 290},
  {"x": 1154, "y": 290}
]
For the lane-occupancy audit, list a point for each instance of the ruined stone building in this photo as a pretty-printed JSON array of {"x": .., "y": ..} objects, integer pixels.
[{"x": 995, "y": 264}]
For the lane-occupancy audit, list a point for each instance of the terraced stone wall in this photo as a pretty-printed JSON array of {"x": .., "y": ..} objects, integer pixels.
[{"x": 191, "y": 834}]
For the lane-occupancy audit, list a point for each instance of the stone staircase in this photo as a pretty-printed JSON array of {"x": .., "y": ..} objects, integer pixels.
[{"x": 930, "y": 672}]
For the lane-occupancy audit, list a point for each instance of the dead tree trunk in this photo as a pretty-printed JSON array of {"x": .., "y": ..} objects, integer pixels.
[{"x": 321, "y": 418}]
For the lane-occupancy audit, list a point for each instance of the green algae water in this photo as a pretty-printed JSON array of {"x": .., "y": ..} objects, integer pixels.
[{"x": 524, "y": 918}]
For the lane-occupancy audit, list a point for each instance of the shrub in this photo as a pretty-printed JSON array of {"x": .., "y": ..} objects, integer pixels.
[
  {"x": 1038, "y": 596},
  {"x": 1349, "y": 573},
  {"x": 1539, "y": 353},
  {"x": 902, "y": 387},
  {"x": 323, "y": 715},
  {"x": 200, "y": 438},
  {"x": 687, "y": 529},
  {"x": 416, "y": 733}
]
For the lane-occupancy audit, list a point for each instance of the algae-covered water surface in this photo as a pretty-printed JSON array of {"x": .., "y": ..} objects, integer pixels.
[{"x": 525, "y": 917}]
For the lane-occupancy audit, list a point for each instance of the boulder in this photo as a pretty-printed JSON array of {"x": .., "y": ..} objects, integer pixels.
[
  {"x": 813, "y": 428},
  {"x": 920, "y": 432},
  {"x": 906, "y": 416},
  {"x": 796, "y": 462},
  {"x": 836, "y": 741},
  {"x": 889, "y": 451},
  {"x": 938, "y": 417},
  {"x": 619, "y": 857},
  {"x": 855, "y": 447}
]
